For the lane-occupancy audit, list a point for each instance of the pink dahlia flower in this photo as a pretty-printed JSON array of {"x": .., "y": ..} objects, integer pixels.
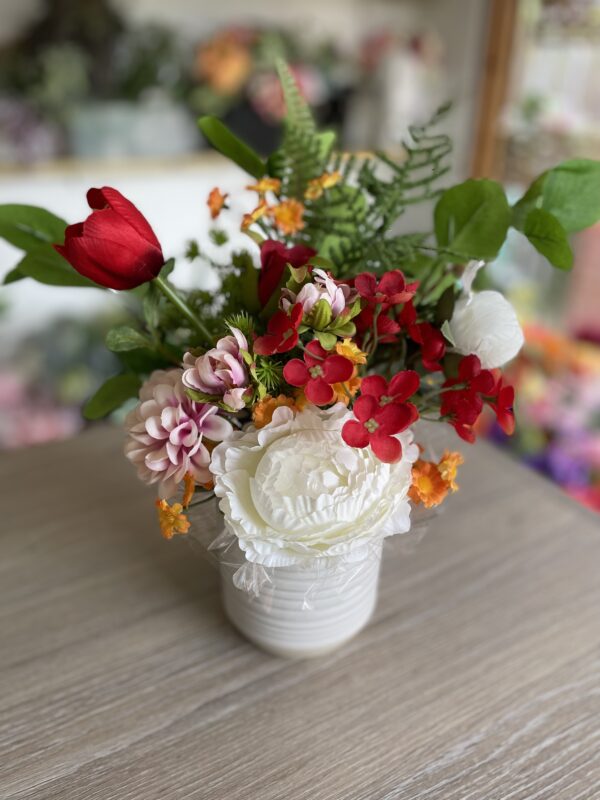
[
  {"x": 221, "y": 371},
  {"x": 167, "y": 432},
  {"x": 323, "y": 287}
]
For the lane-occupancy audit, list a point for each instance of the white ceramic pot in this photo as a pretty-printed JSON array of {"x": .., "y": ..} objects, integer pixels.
[{"x": 303, "y": 612}]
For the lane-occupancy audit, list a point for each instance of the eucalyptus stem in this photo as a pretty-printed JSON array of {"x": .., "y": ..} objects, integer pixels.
[{"x": 173, "y": 296}]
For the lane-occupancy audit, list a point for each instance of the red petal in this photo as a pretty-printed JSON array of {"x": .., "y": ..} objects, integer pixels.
[
  {"x": 355, "y": 434},
  {"x": 316, "y": 355},
  {"x": 296, "y": 373},
  {"x": 408, "y": 315},
  {"x": 469, "y": 367},
  {"x": 387, "y": 328},
  {"x": 395, "y": 417},
  {"x": 279, "y": 323},
  {"x": 464, "y": 431},
  {"x": 287, "y": 343},
  {"x": 365, "y": 407},
  {"x": 337, "y": 369},
  {"x": 403, "y": 384},
  {"x": 365, "y": 284},
  {"x": 318, "y": 391},
  {"x": 375, "y": 385},
  {"x": 100, "y": 198},
  {"x": 386, "y": 448},
  {"x": 296, "y": 314},
  {"x": 266, "y": 345},
  {"x": 392, "y": 284}
]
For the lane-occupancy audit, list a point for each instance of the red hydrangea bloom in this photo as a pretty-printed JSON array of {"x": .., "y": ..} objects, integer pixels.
[
  {"x": 282, "y": 332},
  {"x": 464, "y": 405},
  {"x": 376, "y": 425},
  {"x": 115, "y": 247},
  {"x": 503, "y": 407},
  {"x": 318, "y": 372},
  {"x": 391, "y": 290},
  {"x": 274, "y": 257}
]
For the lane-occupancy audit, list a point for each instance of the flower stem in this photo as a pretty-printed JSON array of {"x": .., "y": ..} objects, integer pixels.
[{"x": 173, "y": 296}]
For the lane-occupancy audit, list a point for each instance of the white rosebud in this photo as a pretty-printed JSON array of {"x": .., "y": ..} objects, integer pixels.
[{"x": 486, "y": 325}]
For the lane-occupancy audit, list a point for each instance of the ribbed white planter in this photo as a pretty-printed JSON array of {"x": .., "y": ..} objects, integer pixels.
[{"x": 279, "y": 621}]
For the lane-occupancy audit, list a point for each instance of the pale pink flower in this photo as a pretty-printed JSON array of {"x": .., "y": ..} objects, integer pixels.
[
  {"x": 322, "y": 287},
  {"x": 221, "y": 371},
  {"x": 166, "y": 433}
]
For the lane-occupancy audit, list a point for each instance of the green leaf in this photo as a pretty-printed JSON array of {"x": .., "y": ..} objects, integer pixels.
[
  {"x": 111, "y": 395},
  {"x": 445, "y": 306},
  {"x": 549, "y": 238},
  {"x": 167, "y": 268},
  {"x": 45, "y": 265},
  {"x": 326, "y": 340},
  {"x": 14, "y": 275},
  {"x": 472, "y": 219},
  {"x": 125, "y": 338},
  {"x": 26, "y": 227},
  {"x": 570, "y": 192},
  {"x": 223, "y": 140}
]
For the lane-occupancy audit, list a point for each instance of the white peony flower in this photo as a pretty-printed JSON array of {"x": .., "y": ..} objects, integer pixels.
[
  {"x": 485, "y": 324},
  {"x": 294, "y": 490}
]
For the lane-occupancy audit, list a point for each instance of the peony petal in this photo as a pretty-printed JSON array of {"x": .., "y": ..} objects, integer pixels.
[
  {"x": 319, "y": 392},
  {"x": 337, "y": 369},
  {"x": 386, "y": 448},
  {"x": 355, "y": 434},
  {"x": 296, "y": 372}
]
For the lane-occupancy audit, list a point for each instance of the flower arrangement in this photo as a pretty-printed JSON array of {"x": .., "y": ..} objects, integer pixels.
[{"x": 293, "y": 391}]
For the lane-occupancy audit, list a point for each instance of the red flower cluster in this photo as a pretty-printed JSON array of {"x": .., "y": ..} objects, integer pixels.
[
  {"x": 115, "y": 247},
  {"x": 463, "y": 406},
  {"x": 381, "y": 412},
  {"x": 428, "y": 337},
  {"x": 274, "y": 257},
  {"x": 390, "y": 291},
  {"x": 282, "y": 332},
  {"x": 318, "y": 372}
]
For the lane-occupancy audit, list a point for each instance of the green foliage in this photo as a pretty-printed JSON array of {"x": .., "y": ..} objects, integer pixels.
[
  {"x": 218, "y": 236},
  {"x": 124, "y": 338},
  {"x": 111, "y": 395},
  {"x": 223, "y": 140},
  {"x": 549, "y": 237},
  {"x": 471, "y": 220},
  {"x": 570, "y": 192},
  {"x": 26, "y": 227},
  {"x": 243, "y": 322},
  {"x": 269, "y": 373},
  {"x": 43, "y": 263}
]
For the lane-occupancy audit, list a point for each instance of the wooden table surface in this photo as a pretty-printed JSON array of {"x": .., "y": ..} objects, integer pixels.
[{"x": 479, "y": 678}]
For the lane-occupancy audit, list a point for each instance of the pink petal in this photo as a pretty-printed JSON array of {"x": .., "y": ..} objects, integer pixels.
[{"x": 216, "y": 428}]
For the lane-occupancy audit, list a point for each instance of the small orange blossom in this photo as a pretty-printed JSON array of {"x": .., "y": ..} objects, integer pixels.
[
  {"x": 288, "y": 216},
  {"x": 262, "y": 413},
  {"x": 171, "y": 519},
  {"x": 216, "y": 202},
  {"x": 428, "y": 486}
]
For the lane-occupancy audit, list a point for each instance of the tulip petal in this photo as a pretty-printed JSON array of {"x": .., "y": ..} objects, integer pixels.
[{"x": 107, "y": 196}]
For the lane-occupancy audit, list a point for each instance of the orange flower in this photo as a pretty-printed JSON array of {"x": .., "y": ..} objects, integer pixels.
[
  {"x": 253, "y": 216},
  {"x": 189, "y": 488},
  {"x": 428, "y": 486},
  {"x": 448, "y": 467},
  {"x": 216, "y": 202},
  {"x": 262, "y": 413},
  {"x": 288, "y": 216},
  {"x": 171, "y": 519},
  {"x": 352, "y": 352},
  {"x": 265, "y": 185},
  {"x": 317, "y": 185},
  {"x": 344, "y": 391},
  {"x": 300, "y": 400},
  {"x": 224, "y": 63}
]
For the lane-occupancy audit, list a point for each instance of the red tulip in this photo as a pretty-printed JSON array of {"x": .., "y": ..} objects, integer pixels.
[
  {"x": 274, "y": 256},
  {"x": 115, "y": 247}
]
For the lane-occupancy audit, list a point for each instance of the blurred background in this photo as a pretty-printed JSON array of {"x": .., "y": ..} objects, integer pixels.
[{"x": 107, "y": 92}]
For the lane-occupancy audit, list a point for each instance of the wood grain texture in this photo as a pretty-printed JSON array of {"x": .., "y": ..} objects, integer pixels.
[{"x": 479, "y": 678}]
